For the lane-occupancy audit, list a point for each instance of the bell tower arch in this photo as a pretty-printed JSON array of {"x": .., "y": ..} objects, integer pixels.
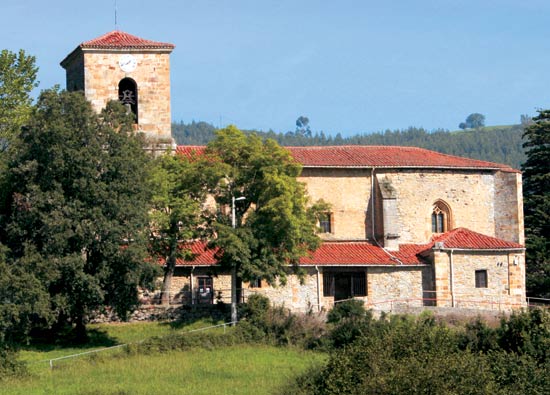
[{"x": 136, "y": 71}]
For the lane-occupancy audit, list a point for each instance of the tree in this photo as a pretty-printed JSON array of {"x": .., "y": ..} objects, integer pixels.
[
  {"x": 473, "y": 121},
  {"x": 17, "y": 80},
  {"x": 536, "y": 192},
  {"x": 302, "y": 126},
  {"x": 274, "y": 227},
  {"x": 176, "y": 212},
  {"x": 75, "y": 215}
]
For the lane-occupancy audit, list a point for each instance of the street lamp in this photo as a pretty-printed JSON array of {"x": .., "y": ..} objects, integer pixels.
[
  {"x": 234, "y": 268},
  {"x": 233, "y": 200}
]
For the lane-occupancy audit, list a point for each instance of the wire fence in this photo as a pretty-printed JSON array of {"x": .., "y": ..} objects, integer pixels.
[{"x": 99, "y": 350}]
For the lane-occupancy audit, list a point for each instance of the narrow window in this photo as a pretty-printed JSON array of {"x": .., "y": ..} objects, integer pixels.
[
  {"x": 441, "y": 217},
  {"x": 325, "y": 222},
  {"x": 328, "y": 284},
  {"x": 128, "y": 95},
  {"x": 481, "y": 278}
]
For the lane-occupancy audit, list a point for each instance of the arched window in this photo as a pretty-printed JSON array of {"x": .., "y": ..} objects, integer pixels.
[
  {"x": 441, "y": 217},
  {"x": 128, "y": 95}
]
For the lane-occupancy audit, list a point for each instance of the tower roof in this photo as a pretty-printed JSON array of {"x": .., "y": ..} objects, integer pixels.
[
  {"x": 118, "y": 41},
  {"x": 121, "y": 40}
]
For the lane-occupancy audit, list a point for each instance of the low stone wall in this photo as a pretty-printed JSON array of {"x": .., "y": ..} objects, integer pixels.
[{"x": 167, "y": 313}]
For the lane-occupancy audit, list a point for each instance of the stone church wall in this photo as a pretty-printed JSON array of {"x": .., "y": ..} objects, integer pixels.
[
  {"x": 470, "y": 196},
  {"x": 348, "y": 192},
  {"x": 505, "y": 276},
  {"x": 509, "y": 207}
]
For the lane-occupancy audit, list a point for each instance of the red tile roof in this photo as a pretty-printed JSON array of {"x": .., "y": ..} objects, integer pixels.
[
  {"x": 385, "y": 156},
  {"x": 356, "y": 156},
  {"x": 465, "y": 239},
  {"x": 121, "y": 40},
  {"x": 329, "y": 253},
  {"x": 190, "y": 150},
  {"x": 364, "y": 253}
]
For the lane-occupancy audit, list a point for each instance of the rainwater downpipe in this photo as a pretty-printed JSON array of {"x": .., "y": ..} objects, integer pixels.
[
  {"x": 318, "y": 288},
  {"x": 452, "y": 280},
  {"x": 372, "y": 208}
]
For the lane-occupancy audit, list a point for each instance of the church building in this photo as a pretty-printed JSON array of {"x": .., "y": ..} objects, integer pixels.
[{"x": 408, "y": 227}]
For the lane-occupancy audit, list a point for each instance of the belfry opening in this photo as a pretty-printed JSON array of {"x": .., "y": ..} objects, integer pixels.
[{"x": 128, "y": 95}]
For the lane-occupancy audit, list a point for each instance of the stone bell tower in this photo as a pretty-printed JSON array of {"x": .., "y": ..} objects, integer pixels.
[{"x": 120, "y": 66}]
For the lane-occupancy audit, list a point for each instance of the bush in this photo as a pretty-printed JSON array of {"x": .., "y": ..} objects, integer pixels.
[
  {"x": 349, "y": 309},
  {"x": 9, "y": 365},
  {"x": 282, "y": 327},
  {"x": 418, "y": 355},
  {"x": 527, "y": 333}
]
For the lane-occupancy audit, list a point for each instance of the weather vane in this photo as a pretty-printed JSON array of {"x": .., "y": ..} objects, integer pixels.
[{"x": 116, "y": 25}]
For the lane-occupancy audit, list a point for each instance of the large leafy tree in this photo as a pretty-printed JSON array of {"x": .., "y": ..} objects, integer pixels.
[
  {"x": 273, "y": 226},
  {"x": 75, "y": 214},
  {"x": 17, "y": 80},
  {"x": 176, "y": 212},
  {"x": 536, "y": 191}
]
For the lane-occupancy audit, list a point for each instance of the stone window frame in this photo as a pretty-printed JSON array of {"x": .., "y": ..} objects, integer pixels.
[
  {"x": 481, "y": 278},
  {"x": 441, "y": 217},
  {"x": 326, "y": 222}
]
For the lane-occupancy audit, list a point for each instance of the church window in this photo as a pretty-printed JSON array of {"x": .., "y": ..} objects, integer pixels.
[
  {"x": 128, "y": 95},
  {"x": 325, "y": 223},
  {"x": 441, "y": 217},
  {"x": 481, "y": 278}
]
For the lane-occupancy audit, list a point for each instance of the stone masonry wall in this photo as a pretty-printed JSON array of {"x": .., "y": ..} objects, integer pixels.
[
  {"x": 389, "y": 287},
  {"x": 348, "y": 191},
  {"x": 509, "y": 207},
  {"x": 469, "y": 194},
  {"x": 505, "y": 276},
  {"x": 152, "y": 75}
]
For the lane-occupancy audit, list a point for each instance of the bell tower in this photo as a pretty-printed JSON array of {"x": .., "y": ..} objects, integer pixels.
[{"x": 121, "y": 66}]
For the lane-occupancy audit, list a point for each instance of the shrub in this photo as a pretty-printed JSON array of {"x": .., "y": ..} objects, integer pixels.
[
  {"x": 9, "y": 365},
  {"x": 527, "y": 333},
  {"x": 280, "y": 326},
  {"x": 349, "y": 309}
]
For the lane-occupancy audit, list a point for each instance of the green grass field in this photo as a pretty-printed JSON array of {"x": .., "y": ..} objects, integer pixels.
[{"x": 249, "y": 369}]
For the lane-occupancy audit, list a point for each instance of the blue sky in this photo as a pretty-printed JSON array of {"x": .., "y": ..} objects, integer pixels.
[{"x": 350, "y": 66}]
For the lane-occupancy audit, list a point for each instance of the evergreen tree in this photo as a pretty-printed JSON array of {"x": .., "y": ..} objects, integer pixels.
[
  {"x": 536, "y": 192},
  {"x": 75, "y": 214}
]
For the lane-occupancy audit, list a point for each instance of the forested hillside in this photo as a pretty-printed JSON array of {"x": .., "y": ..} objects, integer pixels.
[{"x": 502, "y": 144}]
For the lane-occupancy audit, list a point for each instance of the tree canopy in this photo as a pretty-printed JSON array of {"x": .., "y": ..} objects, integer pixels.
[
  {"x": 17, "y": 80},
  {"x": 536, "y": 191},
  {"x": 273, "y": 225},
  {"x": 176, "y": 211},
  {"x": 75, "y": 213}
]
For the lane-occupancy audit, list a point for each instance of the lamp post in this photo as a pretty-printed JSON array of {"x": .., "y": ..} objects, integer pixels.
[{"x": 234, "y": 268}]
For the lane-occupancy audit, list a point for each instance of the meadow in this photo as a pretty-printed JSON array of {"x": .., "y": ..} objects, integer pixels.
[{"x": 238, "y": 369}]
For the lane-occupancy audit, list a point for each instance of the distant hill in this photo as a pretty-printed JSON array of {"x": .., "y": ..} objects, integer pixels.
[{"x": 502, "y": 144}]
